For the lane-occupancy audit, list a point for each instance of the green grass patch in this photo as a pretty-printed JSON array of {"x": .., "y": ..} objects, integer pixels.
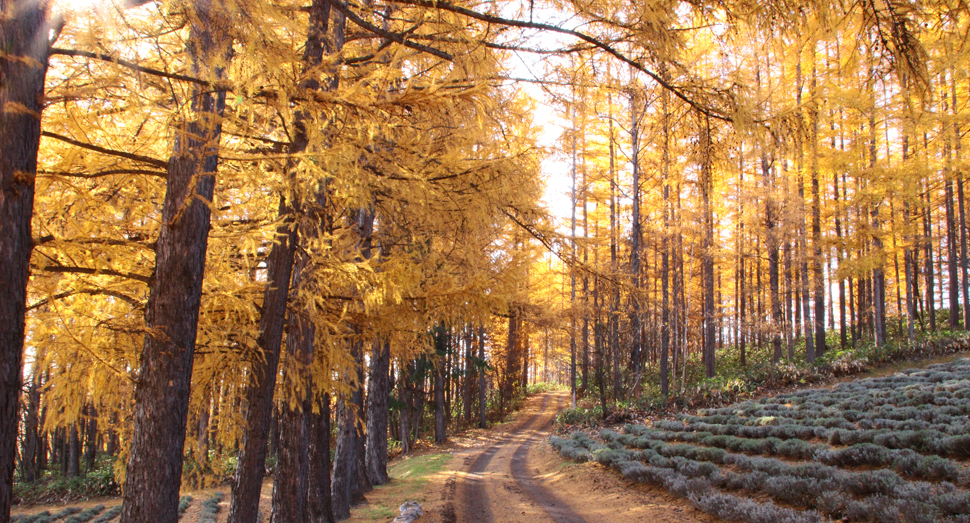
[{"x": 408, "y": 479}]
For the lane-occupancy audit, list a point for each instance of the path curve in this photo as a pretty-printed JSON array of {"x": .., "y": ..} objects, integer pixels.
[{"x": 517, "y": 477}]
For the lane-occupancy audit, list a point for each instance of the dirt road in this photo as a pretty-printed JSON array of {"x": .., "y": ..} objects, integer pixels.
[{"x": 515, "y": 476}]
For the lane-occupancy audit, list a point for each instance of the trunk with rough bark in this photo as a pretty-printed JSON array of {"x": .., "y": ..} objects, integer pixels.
[
  {"x": 74, "y": 453},
  {"x": 319, "y": 508},
  {"x": 280, "y": 270},
  {"x": 636, "y": 238},
  {"x": 24, "y": 28},
  {"x": 482, "y": 422},
  {"x": 707, "y": 188},
  {"x": 259, "y": 393},
  {"x": 440, "y": 346},
  {"x": 349, "y": 481},
  {"x": 91, "y": 438},
  {"x": 378, "y": 391},
  {"x": 345, "y": 484},
  {"x": 154, "y": 470},
  {"x": 30, "y": 448}
]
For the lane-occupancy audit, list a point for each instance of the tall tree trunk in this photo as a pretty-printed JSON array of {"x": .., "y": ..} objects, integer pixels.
[
  {"x": 345, "y": 484},
  {"x": 251, "y": 465},
  {"x": 819, "y": 276},
  {"x": 441, "y": 348},
  {"x": 378, "y": 391},
  {"x": 291, "y": 474},
  {"x": 482, "y": 422},
  {"x": 470, "y": 374},
  {"x": 91, "y": 438},
  {"x": 878, "y": 275},
  {"x": 636, "y": 239},
  {"x": 319, "y": 507},
  {"x": 843, "y": 320},
  {"x": 615, "y": 298},
  {"x": 707, "y": 188},
  {"x": 295, "y": 477},
  {"x": 154, "y": 470},
  {"x": 74, "y": 452},
  {"x": 771, "y": 234},
  {"x": 962, "y": 225},
  {"x": 665, "y": 251},
  {"x": 30, "y": 448},
  {"x": 572, "y": 284},
  {"x": 953, "y": 284},
  {"x": 24, "y": 30}
]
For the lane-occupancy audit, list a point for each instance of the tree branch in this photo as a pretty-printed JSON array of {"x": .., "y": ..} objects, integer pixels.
[
  {"x": 394, "y": 37},
  {"x": 102, "y": 174},
  {"x": 97, "y": 272},
  {"x": 95, "y": 292},
  {"x": 492, "y": 19},
  {"x": 130, "y": 65},
  {"x": 111, "y": 152}
]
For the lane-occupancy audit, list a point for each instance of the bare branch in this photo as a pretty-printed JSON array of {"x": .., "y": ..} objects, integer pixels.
[
  {"x": 98, "y": 272},
  {"x": 394, "y": 37},
  {"x": 111, "y": 152},
  {"x": 492, "y": 19}
]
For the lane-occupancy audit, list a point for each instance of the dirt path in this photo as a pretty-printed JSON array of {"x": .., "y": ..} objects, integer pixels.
[{"x": 515, "y": 476}]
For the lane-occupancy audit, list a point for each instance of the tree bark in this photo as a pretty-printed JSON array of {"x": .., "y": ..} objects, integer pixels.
[
  {"x": 24, "y": 29},
  {"x": 74, "y": 452},
  {"x": 482, "y": 421},
  {"x": 91, "y": 438},
  {"x": 953, "y": 286},
  {"x": 154, "y": 469},
  {"x": 378, "y": 392},
  {"x": 30, "y": 448},
  {"x": 665, "y": 251},
  {"x": 636, "y": 238},
  {"x": 441, "y": 347},
  {"x": 259, "y": 392},
  {"x": 343, "y": 485},
  {"x": 280, "y": 270},
  {"x": 819, "y": 275},
  {"x": 319, "y": 506},
  {"x": 348, "y": 484},
  {"x": 707, "y": 189},
  {"x": 290, "y": 478}
]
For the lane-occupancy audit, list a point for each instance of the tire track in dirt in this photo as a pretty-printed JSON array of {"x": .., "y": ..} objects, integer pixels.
[
  {"x": 489, "y": 485},
  {"x": 474, "y": 490},
  {"x": 558, "y": 510}
]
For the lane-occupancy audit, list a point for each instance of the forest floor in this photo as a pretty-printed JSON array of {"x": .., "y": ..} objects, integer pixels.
[{"x": 507, "y": 473}]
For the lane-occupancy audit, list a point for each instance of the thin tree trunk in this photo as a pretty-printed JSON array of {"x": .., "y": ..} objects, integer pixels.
[
  {"x": 953, "y": 285},
  {"x": 635, "y": 240},
  {"x": 482, "y": 422},
  {"x": 441, "y": 348},
  {"x": 819, "y": 290},
  {"x": 91, "y": 438},
  {"x": 251, "y": 464},
  {"x": 74, "y": 452},
  {"x": 665, "y": 251},
  {"x": 962, "y": 225},
  {"x": 707, "y": 188},
  {"x": 154, "y": 470},
  {"x": 30, "y": 469}
]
